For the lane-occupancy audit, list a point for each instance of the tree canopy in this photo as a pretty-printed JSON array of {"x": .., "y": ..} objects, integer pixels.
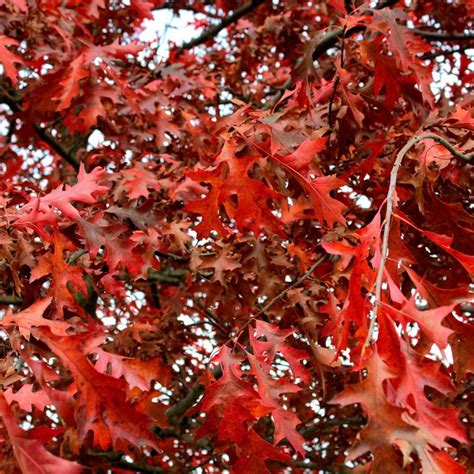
[{"x": 248, "y": 252}]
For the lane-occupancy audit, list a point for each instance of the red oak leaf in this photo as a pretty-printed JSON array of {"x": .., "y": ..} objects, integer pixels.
[
  {"x": 386, "y": 425},
  {"x": 29, "y": 446},
  {"x": 32, "y": 317},
  {"x": 325, "y": 207},
  {"x": 27, "y": 398},
  {"x": 8, "y": 59},
  {"x": 102, "y": 407},
  {"x": 85, "y": 190},
  {"x": 70, "y": 87}
]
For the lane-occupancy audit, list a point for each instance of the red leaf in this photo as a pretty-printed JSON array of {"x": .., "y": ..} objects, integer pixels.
[
  {"x": 85, "y": 190},
  {"x": 326, "y": 208},
  {"x": 8, "y": 59},
  {"x": 27, "y": 398},
  {"x": 32, "y": 317},
  {"x": 70, "y": 85},
  {"x": 102, "y": 407},
  {"x": 430, "y": 320},
  {"x": 30, "y": 452}
]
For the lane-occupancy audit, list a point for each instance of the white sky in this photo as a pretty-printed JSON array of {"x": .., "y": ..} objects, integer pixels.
[{"x": 166, "y": 27}]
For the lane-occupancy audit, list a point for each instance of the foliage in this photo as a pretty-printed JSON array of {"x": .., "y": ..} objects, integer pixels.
[{"x": 251, "y": 255}]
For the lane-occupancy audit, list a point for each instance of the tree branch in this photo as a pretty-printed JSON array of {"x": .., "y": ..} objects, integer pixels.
[
  {"x": 325, "y": 426},
  {"x": 389, "y": 211},
  {"x": 436, "y": 36},
  {"x": 210, "y": 316},
  {"x": 58, "y": 147},
  {"x": 186, "y": 403},
  {"x": 214, "y": 30},
  {"x": 441, "y": 52},
  {"x": 43, "y": 134},
  {"x": 14, "y": 300}
]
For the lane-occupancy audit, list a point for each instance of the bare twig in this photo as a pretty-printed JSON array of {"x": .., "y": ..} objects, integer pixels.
[
  {"x": 325, "y": 426},
  {"x": 117, "y": 459},
  {"x": 210, "y": 316},
  {"x": 190, "y": 399},
  {"x": 389, "y": 211},
  {"x": 441, "y": 52},
  {"x": 289, "y": 288},
  {"x": 57, "y": 146}
]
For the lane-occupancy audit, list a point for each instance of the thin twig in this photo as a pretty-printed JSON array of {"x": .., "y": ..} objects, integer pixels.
[
  {"x": 389, "y": 211},
  {"x": 210, "y": 316},
  {"x": 190, "y": 399},
  {"x": 325, "y": 426},
  {"x": 435, "y": 54},
  {"x": 289, "y": 288}
]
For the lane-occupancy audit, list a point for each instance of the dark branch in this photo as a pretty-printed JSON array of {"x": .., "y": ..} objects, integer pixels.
[
  {"x": 436, "y": 36},
  {"x": 139, "y": 467},
  {"x": 57, "y": 146},
  {"x": 13, "y": 300},
  {"x": 43, "y": 133},
  {"x": 186, "y": 403},
  {"x": 435, "y": 54},
  {"x": 324, "y": 427},
  {"x": 213, "y": 31}
]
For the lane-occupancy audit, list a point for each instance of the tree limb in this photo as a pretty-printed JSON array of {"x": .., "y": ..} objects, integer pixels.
[
  {"x": 57, "y": 146},
  {"x": 13, "y": 300},
  {"x": 186, "y": 403},
  {"x": 436, "y": 36},
  {"x": 214, "y": 30},
  {"x": 42, "y": 133},
  {"x": 139, "y": 467},
  {"x": 324, "y": 427}
]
